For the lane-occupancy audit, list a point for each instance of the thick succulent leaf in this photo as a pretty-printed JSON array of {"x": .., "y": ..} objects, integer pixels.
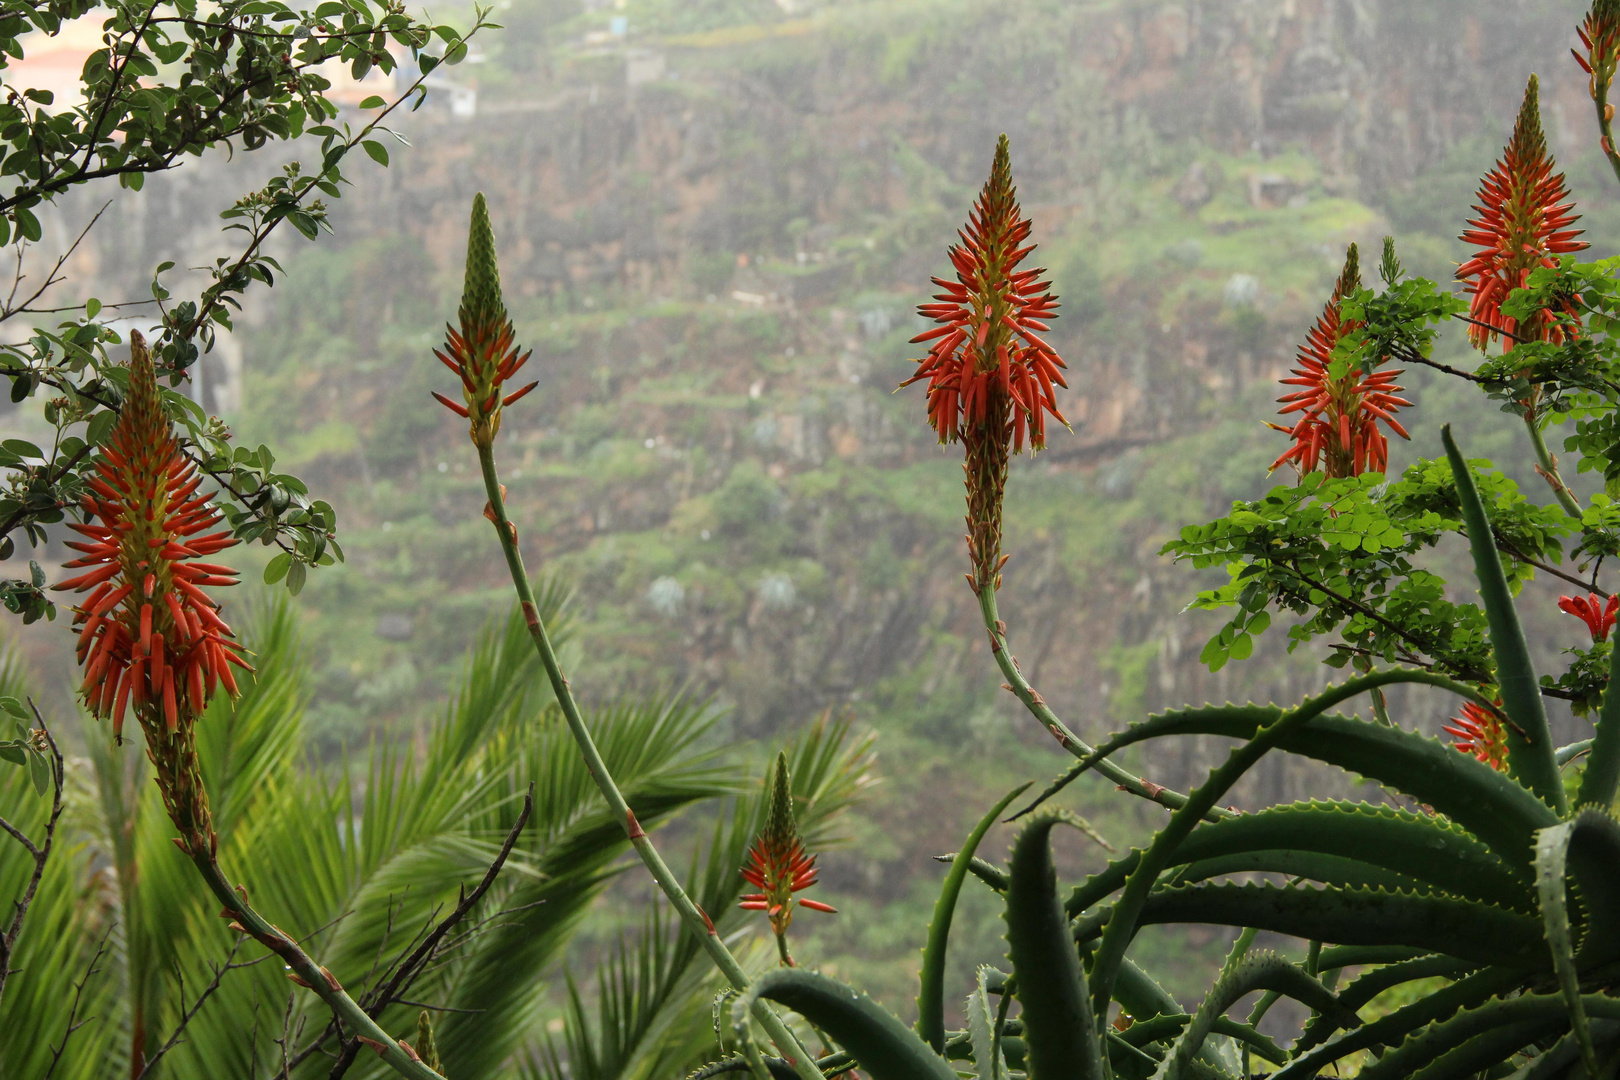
[
  {"x": 1302, "y": 865},
  {"x": 1525, "y": 1018},
  {"x": 1602, "y": 776},
  {"x": 1470, "y": 793},
  {"x": 1375, "y": 982},
  {"x": 1557, "y": 1060},
  {"x": 885, "y": 1047},
  {"x": 1166, "y": 1027},
  {"x": 931, "y": 995},
  {"x": 1386, "y": 1030},
  {"x": 1414, "y": 846},
  {"x": 1592, "y": 839},
  {"x": 1122, "y": 926},
  {"x": 1343, "y": 956},
  {"x": 1060, "y": 1033},
  {"x": 1552, "y": 857},
  {"x": 1263, "y": 972},
  {"x": 1141, "y": 996},
  {"x": 988, "y": 1060},
  {"x": 1530, "y": 748},
  {"x": 1428, "y": 921}
]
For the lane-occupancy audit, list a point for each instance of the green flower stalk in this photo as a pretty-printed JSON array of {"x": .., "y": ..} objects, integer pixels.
[
  {"x": 482, "y": 353},
  {"x": 483, "y": 369}
]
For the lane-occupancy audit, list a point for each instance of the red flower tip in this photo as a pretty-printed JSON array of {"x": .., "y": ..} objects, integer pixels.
[
  {"x": 147, "y": 633},
  {"x": 1524, "y": 223},
  {"x": 1480, "y": 732},
  {"x": 777, "y": 863},
  {"x": 1591, "y": 609},
  {"x": 1338, "y": 426},
  {"x": 483, "y": 352},
  {"x": 988, "y": 365}
]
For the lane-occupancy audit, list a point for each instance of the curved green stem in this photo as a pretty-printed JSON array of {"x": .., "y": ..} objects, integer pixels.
[
  {"x": 1548, "y": 467},
  {"x": 309, "y": 973},
  {"x": 1066, "y": 738},
  {"x": 696, "y": 920}
]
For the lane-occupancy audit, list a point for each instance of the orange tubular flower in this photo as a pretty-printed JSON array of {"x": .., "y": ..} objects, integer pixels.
[
  {"x": 1339, "y": 429},
  {"x": 149, "y": 637},
  {"x": 778, "y": 865},
  {"x": 991, "y": 377},
  {"x": 1591, "y": 609},
  {"x": 1480, "y": 732},
  {"x": 1525, "y": 213},
  {"x": 1600, "y": 33},
  {"x": 482, "y": 354}
]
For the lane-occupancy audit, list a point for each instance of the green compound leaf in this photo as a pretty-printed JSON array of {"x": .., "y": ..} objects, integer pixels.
[
  {"x": 1530, "y": 749},
  {"x": 886, "y": 1048},
  {"x": 1060, "y": 1033},
  {"x": 931, "y": 995}
]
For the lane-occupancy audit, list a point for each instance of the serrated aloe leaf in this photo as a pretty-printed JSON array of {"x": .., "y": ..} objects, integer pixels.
[
  {"x": 1343, "y": 956},
  {"x": 1303, "y": 865},
  {"x": 1602, "y": 775},
  {"x": 1166, "y": 1027},
  {"x": 1263, "y": 972},
  {"x": 1433, "y": 922},
  {"x": 886, "y": 1048},
  {"x": 1530, "y": 748},
  {"x": 1121, "y": 927},
  {"x": 1552, "y": 857},
  {"x": 1556, "y": 1060},
  {"x": 1399, "y": 1025},
  {"x": 987, "y": 1059},
  {"x": 1375, "y": 982},
  {"x": 1517, "y": 1022},
  {"x": 1140, "y": 995},
  {"x": 931, "y": 995},
  {"x": 1060, "y": 1034},
  {"x": 1486, "y": 803},
  {"x": 1414, "y": 847}
]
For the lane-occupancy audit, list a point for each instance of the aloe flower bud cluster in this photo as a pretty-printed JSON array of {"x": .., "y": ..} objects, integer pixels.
[
  {"x": 991, "y": 377},
  {"x": 1525, "y": 213},
  {"x": 778, "y": 866},
  {"x": 1338, "y": 430},
  {"x": 483, "y": 353},
  {"x": 149, "y": 637}
]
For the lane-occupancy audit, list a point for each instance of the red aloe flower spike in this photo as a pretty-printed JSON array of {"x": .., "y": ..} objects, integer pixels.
[
  {"x": 482, "y": 354},
  {"x": 1591, "y": 609},
  {"x": 1525, "y": 213},
  {"x": 1338, "y": 430},
  {"x": 1480, "y": 732},
  {"x": 148, "y": 636},
  {"x": 778, "y": 865},
  {"x": 990, "y": 375}
]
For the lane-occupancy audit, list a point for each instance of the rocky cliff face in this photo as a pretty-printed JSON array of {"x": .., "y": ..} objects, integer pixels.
[{"x": 714, "y": 240}]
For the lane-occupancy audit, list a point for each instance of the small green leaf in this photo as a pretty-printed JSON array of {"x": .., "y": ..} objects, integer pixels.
[
  {"x": 373, "y": 102},
  {"x": 277, "y": 568},
  {"x": 15, "y": 708},
  {"x": 378, "y": 152},
  {"x": 39, "y": 773},
  {"x": 295, "y": 578},
  {"x": 13, "y": 753},
  {"x": 23, "y": 448},
  {"x": 92, "y": 308}
]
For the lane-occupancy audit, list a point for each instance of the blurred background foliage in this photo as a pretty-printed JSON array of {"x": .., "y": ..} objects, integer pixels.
[{"x": 715, "y": 218}]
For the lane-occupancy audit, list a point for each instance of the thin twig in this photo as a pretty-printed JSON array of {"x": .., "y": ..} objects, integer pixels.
[
  {"x": 406, "y": 971},
  {"x": 186, "y": 1014},
  {"x": 10, "y": 308},
  {"x": 73, "y": 1010},
  {"x": 39, "y": 853}
]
